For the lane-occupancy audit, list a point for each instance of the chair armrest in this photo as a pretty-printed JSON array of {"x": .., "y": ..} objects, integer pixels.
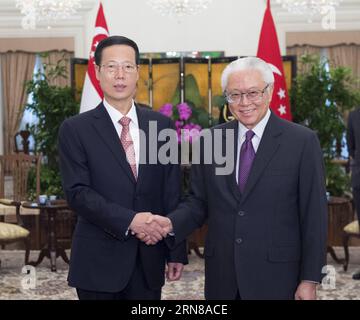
[
  {"x": 10, "y": 202},
  {"x": 17, "y": 205}
]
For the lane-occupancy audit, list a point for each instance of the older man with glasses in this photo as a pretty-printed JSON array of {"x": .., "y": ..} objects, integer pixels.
[{"x": 267, "y": 220}]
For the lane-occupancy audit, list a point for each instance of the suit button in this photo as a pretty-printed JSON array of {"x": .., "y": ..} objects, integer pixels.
[
  {"x": 241, "y": 213},
  {"x": 239, "y": 241}
]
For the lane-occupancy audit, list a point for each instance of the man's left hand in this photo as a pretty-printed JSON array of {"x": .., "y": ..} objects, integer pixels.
[
  {"x": 306, "y": 291},
  {"x": 174, "y": 271}
]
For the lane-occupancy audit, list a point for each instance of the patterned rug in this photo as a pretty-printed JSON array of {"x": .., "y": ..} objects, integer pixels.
[{"x": 47, "y": 285}]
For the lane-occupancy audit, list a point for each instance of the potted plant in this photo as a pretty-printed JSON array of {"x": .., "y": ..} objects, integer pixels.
[
  {"x": 52, "y": 105},
  {"x": 320, "y": 96}
]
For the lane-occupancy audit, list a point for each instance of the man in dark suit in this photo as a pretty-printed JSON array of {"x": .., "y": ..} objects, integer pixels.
[
  {"x": 267, "y": 220},
  {"x": 112, "y": 191},
  {"x": 353, "y": 140}
]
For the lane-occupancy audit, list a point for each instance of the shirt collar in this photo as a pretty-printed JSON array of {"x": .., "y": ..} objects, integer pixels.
[
  {"x": 116, "y": 115},
  {"x": 258, "y": 129}
]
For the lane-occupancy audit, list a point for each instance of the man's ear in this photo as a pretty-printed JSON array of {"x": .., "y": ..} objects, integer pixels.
[
  {"x": 270, "y": 91},
  {"x": 97, "y": 72},
  {"x": 138, "y": 73}
]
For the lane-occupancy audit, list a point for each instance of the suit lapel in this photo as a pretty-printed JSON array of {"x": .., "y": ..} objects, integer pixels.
[
  {"x": 106, "y": 130},
  {"x": 231, "y": 178},
  {"x": 144, "y": 127},
  {"x": 268, "y": 146}
]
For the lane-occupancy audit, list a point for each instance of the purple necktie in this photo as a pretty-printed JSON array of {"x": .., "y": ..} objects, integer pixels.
[{"x": 247, "y": 155}]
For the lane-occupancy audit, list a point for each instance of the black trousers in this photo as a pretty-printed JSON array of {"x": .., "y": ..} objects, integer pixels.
[
  {"x": 356, "y": 195},
  {"x": 136, "y": 289}
]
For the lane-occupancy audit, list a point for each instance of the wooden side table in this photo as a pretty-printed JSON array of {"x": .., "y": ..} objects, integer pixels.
[
  {"x": 340, "y": 214},
  {"x": 52, "y": 250}
]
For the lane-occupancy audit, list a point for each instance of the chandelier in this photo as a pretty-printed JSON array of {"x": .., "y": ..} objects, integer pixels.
[
  {"x": 308, "y": 7},
  {"x": 179, "y": 8},
  {"x": 45, "y": 10}
]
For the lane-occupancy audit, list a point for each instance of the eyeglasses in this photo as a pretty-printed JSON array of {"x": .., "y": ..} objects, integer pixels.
[
  {"x": 113, "y": 67},
  {"x": 253, "y": 95}
]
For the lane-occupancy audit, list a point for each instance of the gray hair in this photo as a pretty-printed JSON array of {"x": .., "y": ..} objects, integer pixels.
[{"x": 247, "y": 63}]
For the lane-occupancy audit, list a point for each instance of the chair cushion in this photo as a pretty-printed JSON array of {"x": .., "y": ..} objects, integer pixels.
[
  {"x": 9, "y": 231},
  {"x": 11, "y": 210},
  {"x": 6, "y": 201},
  {"x": 352, "y": 227}
]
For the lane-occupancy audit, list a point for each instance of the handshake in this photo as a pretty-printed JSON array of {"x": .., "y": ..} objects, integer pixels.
[{"x": 150, "y": 228}]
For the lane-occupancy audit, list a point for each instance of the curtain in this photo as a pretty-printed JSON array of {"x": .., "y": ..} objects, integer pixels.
[
  {"x": 16, "y": 69},
  {"x": 299, "y": 51},
  {"x": 51, "y": 58},
  {"x": 339, "y": 55},
  {"x": 304, "y": 49},
  {"x": 346, "y": 56}
]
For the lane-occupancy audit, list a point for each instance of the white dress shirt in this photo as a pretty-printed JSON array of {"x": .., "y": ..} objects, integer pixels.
[
  {"x": 258, "y": 130},
  {"x": 115, "y": 116}
]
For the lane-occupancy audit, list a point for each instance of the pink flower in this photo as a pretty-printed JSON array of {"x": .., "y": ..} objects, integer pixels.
[
  {"x": 184, "y": 111},
  {"x": 186, "y": 131},
  {"x": 167, "y": 110},
  {"x": 179, "y": 124},
  {"x": 178, "y": 131}
]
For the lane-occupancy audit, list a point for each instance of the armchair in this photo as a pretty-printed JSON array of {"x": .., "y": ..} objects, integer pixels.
[{"x": 14, "y": 171}]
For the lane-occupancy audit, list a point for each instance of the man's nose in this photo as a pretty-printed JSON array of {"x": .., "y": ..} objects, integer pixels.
[
  {"x": 120, "y": 73},
  {"x": 244, "y": 99}
]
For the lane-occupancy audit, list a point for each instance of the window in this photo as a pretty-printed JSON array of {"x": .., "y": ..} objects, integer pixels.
[
  {"x": 344, "y": 153},
  {"x": 29, "y": 118}
]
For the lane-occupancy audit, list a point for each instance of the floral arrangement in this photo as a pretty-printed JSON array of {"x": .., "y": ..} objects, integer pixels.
[{"x": 186, "y": 127}]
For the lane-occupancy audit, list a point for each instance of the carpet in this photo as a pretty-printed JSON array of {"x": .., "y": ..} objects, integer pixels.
[{"x": 42, "y": 284}]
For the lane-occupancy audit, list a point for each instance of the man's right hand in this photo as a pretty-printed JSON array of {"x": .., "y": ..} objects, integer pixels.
[
  {"x": 145, "y": 226},
  {"x": 163, "y": 222}
]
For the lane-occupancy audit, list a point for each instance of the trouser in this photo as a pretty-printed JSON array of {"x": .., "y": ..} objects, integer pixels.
[
  {"x": 356, "y": 196},
  {"x": 136, "y": 289}
]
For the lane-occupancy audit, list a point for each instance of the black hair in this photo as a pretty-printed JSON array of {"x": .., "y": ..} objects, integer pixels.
[{"x": 115, "y": 40}]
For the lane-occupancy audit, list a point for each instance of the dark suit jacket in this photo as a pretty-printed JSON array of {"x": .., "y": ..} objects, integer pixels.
[
  {"x": 264, "y": 241},
  {"x": 353, "y": 140},
  {"x": 101, "y": 189}
]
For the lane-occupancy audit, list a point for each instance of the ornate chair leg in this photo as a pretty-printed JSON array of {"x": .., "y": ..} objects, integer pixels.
[{"x": 27, "y": 250}]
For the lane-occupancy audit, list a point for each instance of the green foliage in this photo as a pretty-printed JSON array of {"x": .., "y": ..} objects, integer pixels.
[
  {"x": 218, "y": 101},
  {"x": 319, "y": 98},
  {"x": 337, "y": 181},
  {"x": 192, "y": 92},
  {"x": 50, "y": 182},
  {"x": 199, "y": 115},
  {"x": 52, "y": 105}
]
